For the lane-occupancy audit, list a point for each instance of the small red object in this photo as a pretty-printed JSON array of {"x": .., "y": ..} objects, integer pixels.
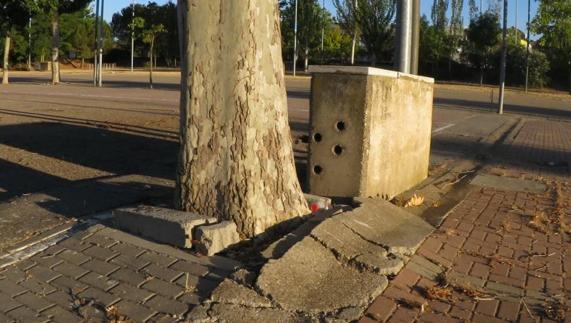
[{"x": 314, "y": 207}]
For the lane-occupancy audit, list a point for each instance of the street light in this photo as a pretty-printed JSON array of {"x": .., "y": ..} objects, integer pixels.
[{"x": 527, "y": 45}]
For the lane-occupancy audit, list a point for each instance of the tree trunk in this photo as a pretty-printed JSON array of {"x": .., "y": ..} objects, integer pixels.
[
  {"x": 306, "y": 59},
  {"x": 353, "y": 46},
  {"x": 5, "y": 66},
  {"x": 151, "y": 64},
  {"x": 236, "y": 159},
  {"x": 55, "y": 48},
  {"x": 481, "y": 76}
]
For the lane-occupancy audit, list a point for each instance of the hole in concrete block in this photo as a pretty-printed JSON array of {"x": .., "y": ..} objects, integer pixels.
[
  {"x": 317, "y": 169},
  {"x": 337, "y": 150},
  {"x": 340, "y": 125},
  {"x": 317, "y": 137}
]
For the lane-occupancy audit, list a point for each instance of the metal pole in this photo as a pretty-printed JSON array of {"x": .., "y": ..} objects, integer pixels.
[
  {"x": 503, "y": 63},
  {"x": 132, "y": 33},
  {"x": 354, "y": 42},
  {"x": 415, "y": 39},
  {"x": 100, "y": 79},
  {"x": 295, "y": 40},
  {"x": 404, "y": 35},
  {"x": 96, "y": 50},
  {"x": 527, "y": 45}
]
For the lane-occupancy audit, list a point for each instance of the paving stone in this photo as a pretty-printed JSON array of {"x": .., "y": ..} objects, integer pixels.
[
  {"x": 94, "y": 279},
  {"x": 229, "y": 292},
  {"x": 161, "y": 272},
  {"x": 322, "y": 283},
  {"x": 240, "y": 314},
  {"x": 131, "y": 293},
  {"x": 47, "y": 261},
  {"x": 127, "y": 249},
  {"x": 134, "y": 311},
  {"x": 34, "y": 302},
  {"x": 168, "y": 226},
  {"x": 43, "y": 274},
  {"x": 100, "y": 253},
  {"x": 190, "y": 267},
  {"x": 13, "y": 274},
  {"x": 381, "y": 308},
  {"x": 60, "y": 315},
  {"x": 96, "y": 294},
  {"x": 163, "y": 288},
  {"x": 135, "y": 264},
  {"x": 66, "y": 283},
  {"x": 63, "y": 299},
  {"x": 100, "y": 267},
  {"x": 74, "y": 244},
  {"x": 100, "y": 240},
  {"x": 165, "y": 305},
  {"x": 25, "y": 314},
  {"x": 37, "y": 286},
  {"x": 7, "y": 303},
  {"x": 70, "y": 270},
  {"x": 190, "y": 298},
  {"x": 156, "y": 258},
  {"x": 163, "y": 318},
  {"x": 509, "y": 184},
  {"x": 129, "y": 276},
  {"x": 73, "y": 257},
  {"x": 214, "y": 238},
  {"x": 11, "y": 288}
]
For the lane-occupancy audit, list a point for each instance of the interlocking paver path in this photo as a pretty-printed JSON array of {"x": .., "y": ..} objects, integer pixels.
[{"x": 102, "y": 271}]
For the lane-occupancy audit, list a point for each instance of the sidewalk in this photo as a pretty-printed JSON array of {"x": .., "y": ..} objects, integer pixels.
[{"x": 501, "y": 255}]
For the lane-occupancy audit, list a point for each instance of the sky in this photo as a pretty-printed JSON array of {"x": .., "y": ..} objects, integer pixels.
[{"x": 113, "y": 6}]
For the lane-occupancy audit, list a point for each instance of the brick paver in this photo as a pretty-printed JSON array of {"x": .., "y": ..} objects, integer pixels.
[
  {"x": 486, "y": 263},
  {"x": 110, "y": 269}
]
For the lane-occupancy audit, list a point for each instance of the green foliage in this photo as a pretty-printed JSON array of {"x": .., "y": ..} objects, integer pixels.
[
  {"x": 515, "y": 69},
  {"x": 483, "y": 37},
  {"x": 373, "y": 20},
  {"x": 146, "y": 16},
  {"x": 553, "y": 22}
]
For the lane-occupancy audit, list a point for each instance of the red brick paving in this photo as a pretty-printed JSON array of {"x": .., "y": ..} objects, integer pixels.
[{"x": 485, "y": 237}]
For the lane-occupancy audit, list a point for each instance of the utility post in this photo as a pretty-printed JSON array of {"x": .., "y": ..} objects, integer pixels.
[
  {"x": 132, "y": 33},
  {"x": 30, "y": 40},
  {"x": 322, "y": 29},
  {"x": 503, "y": 63},
  {"x": 295, "y": 40},
  {"x": 527, "y": 45},
  {"x": 404, "y": 35}
]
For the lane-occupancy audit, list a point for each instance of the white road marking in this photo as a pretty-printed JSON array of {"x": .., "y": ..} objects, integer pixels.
[{"x": 443, "y": 128}]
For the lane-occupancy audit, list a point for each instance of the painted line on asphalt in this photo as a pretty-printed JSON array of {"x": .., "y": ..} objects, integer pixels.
[{"x": 443, "y": 128}]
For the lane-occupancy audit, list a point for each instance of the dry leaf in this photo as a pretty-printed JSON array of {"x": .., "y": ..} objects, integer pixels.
[{"x": 415, "y": 200}]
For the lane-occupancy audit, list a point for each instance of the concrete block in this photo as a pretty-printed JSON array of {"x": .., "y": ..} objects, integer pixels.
[
  {"x": 370, "y": 131},
  {"x": 159, "y": 224},
  {"x": 217, "y": 237}
]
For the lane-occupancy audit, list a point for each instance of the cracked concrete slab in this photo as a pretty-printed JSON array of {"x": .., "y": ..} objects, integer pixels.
[
  {"x": 351, "y": 248},
  {"x": 309, "y": 278},
  {"x": 230, "y": 292},
  {"x": 387, "y": 225},
  {"x": 509, "y": 184}
]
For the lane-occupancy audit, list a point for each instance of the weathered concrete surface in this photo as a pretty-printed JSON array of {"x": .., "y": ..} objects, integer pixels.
[
  {"x": 509, "y": 184},
  {"x": 309, "y": 278},
  {"x": 216, "y": 237},
  {"x": 230, "y": 292},
  {"x": 217, "y": 312},
  {"x": 385, "y": 224},
  {"x": 370, "y": 131},
  {"x": 159, "y": 224}
]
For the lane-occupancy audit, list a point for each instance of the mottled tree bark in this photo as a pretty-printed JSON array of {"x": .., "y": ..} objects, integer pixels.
[
  {"x": 5, "y": 66},
  {"x": 55, "y": 47},
  {"x": 236, "y": 158}
]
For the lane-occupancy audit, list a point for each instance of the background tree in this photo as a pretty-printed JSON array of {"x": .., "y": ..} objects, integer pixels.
[
  {"x": 149, "y": 37},
  {"x": 483, "y": 34},
  {"x": 13, "y": 15},
  {"x": 375, "y": 19},
  {"x": 54, "y": 9},
  {"x": 553, "y": 22},
  {"x": 347, "y": 18},
  {"x": 311, "y": 19},
  {"x": 166, "y": 46},
  {"x": 236, "y": 158}
]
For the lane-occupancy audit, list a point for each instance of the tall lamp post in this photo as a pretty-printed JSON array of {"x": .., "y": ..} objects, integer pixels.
[
  {"x": 96, "y": 44},
  {"x": 527, "y": 45}
]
